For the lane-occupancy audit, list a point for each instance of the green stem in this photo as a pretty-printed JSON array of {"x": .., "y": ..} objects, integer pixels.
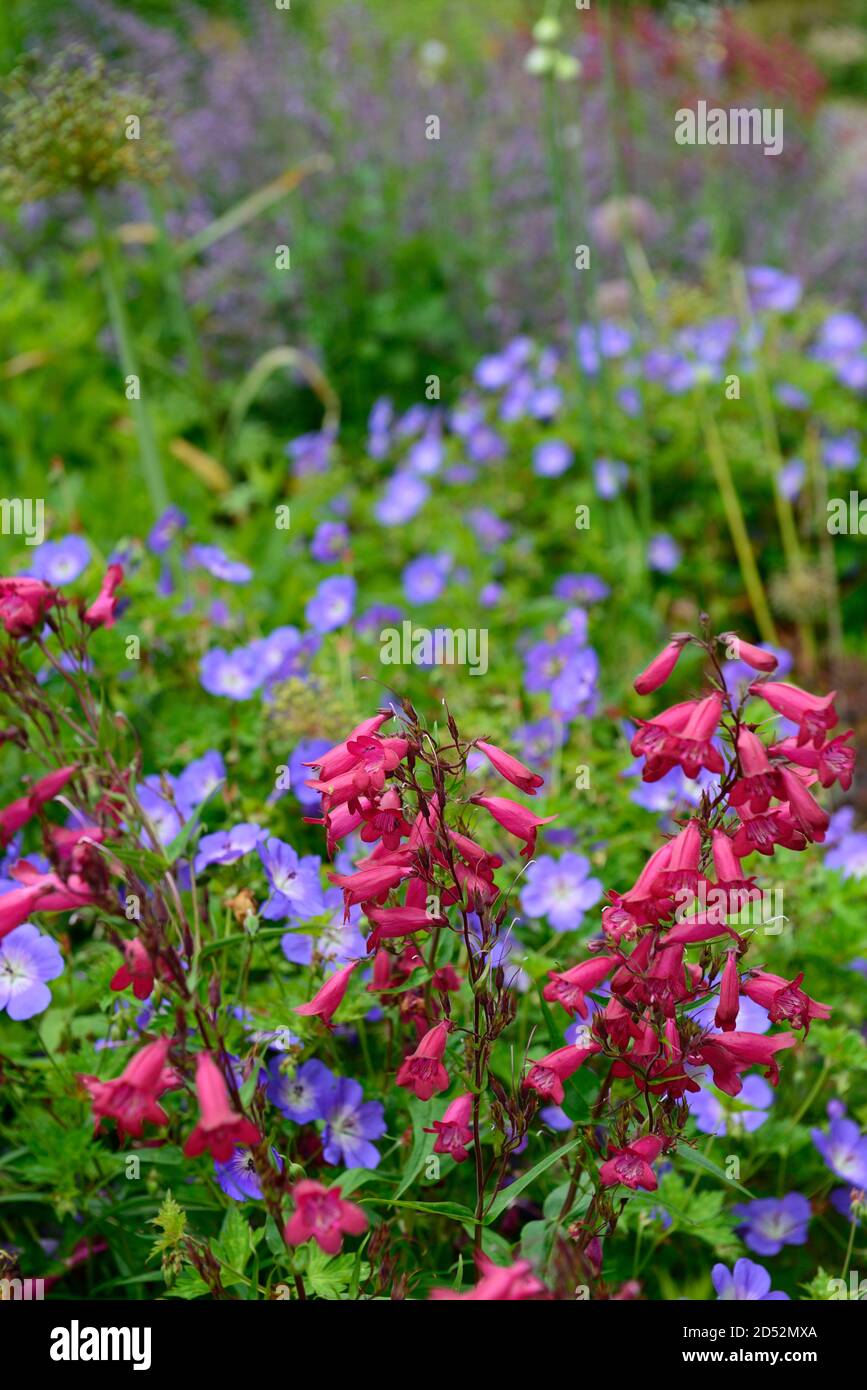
[
  {"x": 182, "y": 319},
  {"x": 737, "y": 526},
  {"x": 112, "y": 284}
]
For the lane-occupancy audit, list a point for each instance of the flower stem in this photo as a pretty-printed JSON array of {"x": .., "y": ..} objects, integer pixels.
[
  {"x": 113, "y": 287},
  {"x": 737, "y": 526}
]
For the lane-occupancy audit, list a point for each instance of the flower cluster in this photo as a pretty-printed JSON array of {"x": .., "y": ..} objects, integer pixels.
[{"x": 655, "y": 1029}]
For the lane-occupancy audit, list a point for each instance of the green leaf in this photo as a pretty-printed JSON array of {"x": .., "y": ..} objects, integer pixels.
[
  {"x": 174, "y": 850},
  {"x": 507, "y": 1196},
  {"x": 330, "y": 1276},
  {"x": 693, "y": 1159},
  {"x": 235, "y": 1245}
]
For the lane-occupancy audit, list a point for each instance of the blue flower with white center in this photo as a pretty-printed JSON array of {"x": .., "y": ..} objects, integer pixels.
[
  {"x": 218, "y": 563},
  {"x": 27, "y": 959},
  {"x": 561, "y": 890},
  {"x": 745, "y": 1114},
  {"x": 770, "y": 1222},
  {"x": 238, "y": 1177},
  {"x": 843, "y": 1147},
  {"x": 747, "y": 1282},
  {"x": 236, "y": 675},
  {"x": 332, "y": 604},
  {"x": 351, "y": 1123},
  {"x": 304, "y": 1095},
  {"x": 60, "y": 562},
  {"x": 296, "y": 890},
  {"x": 198, "y": 780}
]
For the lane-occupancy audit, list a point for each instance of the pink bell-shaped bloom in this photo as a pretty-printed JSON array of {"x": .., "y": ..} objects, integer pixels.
[
  {"x": 814, "y": 714},
  {"x": 389, "y": 922},
  {"x": 726, "y": 863},
  {"x": 757, "y": 657},
  {"x": 727, "y": 1009},
  {"x": 680, "y": 871},
  {"x": 515, "y": 818},
  {"x": 375, "y": 879},
  {"x": 498, "y": 1284},
  {"x": 131, "y": 1099},
  {"x": 219, "y": 1128},
  {"x": 422, "y": 1071},
  {"x": 568, "y": 987},
  {"x": 24, "y": 603},
  {"x": 681, "y": 735},
  {"x": 660, "y": 668},
  {"x": 834, "y": 761},
  {"x": 137, "y": 970},
  {"x": 339, "y": 759},
  {"x": 17, "y": 905},
  {"x": 56, "y": 894},
  {"x": 548, "y": 1074},
  {"x": 383, "y": 820},
  {"x": 631, "y": 1166},
  {"x": 640, "y": 906},
  {"x": 101, "y": 612},
  {"x": 17, "y": 814},
  {"x": 323, "y": 1215},
  {"x": 804, "y": 810},
  {"x": 758, "y": 781},
  {"x": 453, "y": 1132},
  {"x": 514, "y": 771},
  {"x": 329, "y": 997},
  {"x": 784, "y": 1000},
  {"x": 729, "y": 1054}
]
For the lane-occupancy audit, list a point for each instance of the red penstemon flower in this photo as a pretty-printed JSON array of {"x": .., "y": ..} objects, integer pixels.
[{"x": 219, "y": 1127}]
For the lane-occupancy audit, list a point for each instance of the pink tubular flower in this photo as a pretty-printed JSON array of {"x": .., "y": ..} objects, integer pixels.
[
  {"x": 329, "y": 998},
  {"x": 339, "y": 759},
  {"x": 131, "y": 1099},
  {"x": 639, "y": 906},
  {"x": 515, "y": 818},
  {"x": 681, "y": 868},
  {"x": 784, "y": 1000},
  {"x": 729, "y": 995},
  {"x": 16, "y": 907},
  {"x": 137, "y": 970},
  {"x": 321, "y": 1214},
  {"x": 814, "y": 714},
  {"x": 453, "y": 1133},
  {"x": 765, "y": 830},
  {"x": 631, "y": 1166},
  {"x": 726, "y": 863},
  {"x": 383, "y": 820},
  {"x": 660, "y": 668},
  {"x": 55, "y": 894},
  {"x": 680, "y": 735},
  {"x": 101, "y": 611},
  {"x": 24, "y": 603},
  {"x": 758, "y": 781},
  {"x": 548, "y": 1074},
  {"x": 804, "y": 810},
  {"x": 757, "y": 657},
  {"x": 18, "y": 813},
  {"x": 422, "y": 1071},
  {"x": 728, "y": 1054},
  {"x": 510, "y": 1284},
  {"x": 397, "y": 921},
  {"x": 834, "y": 761},
  {"x": 570, "y": 986},
  {"x": 375, "y": 758},
  {"x": 376, "y": 878},
  {"x": 219, "y": 1128},
  {"x": 514, "y": 771}
]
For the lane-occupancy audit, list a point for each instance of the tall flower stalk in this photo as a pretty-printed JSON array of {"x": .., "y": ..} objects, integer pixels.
[{"x": 68, "y": 127}]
